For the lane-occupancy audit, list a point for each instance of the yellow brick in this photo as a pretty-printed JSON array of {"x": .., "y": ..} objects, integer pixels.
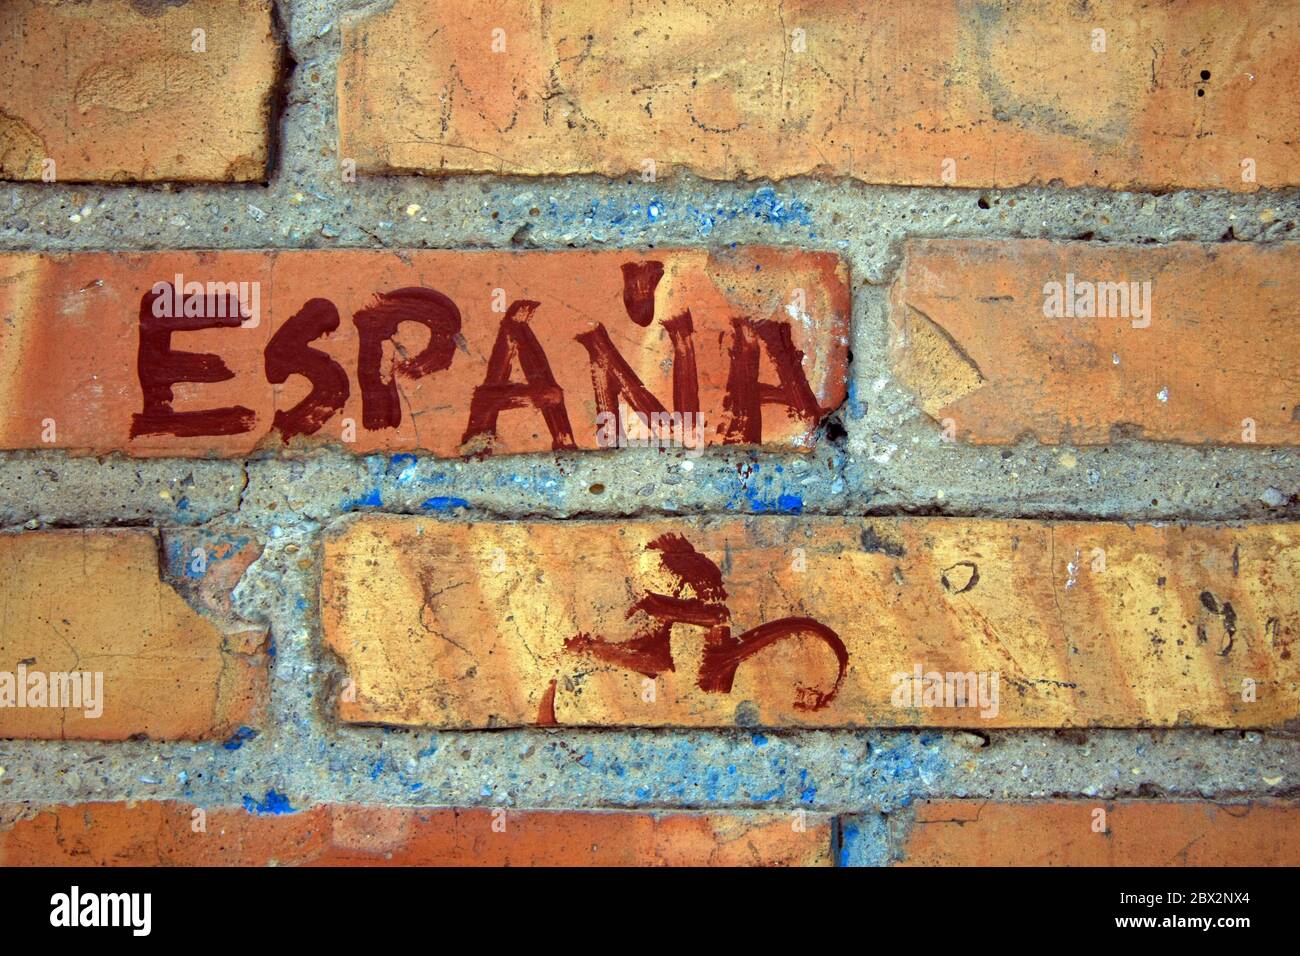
[
  {"x": 1183, "y": 343},
  {"x": 451, "y": 624},
  {"x": 137, "y": 90},
  {"x": 899, "y": 91}
]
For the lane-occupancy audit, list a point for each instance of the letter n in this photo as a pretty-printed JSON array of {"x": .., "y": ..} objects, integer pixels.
[{"x": 611, "y": 376}]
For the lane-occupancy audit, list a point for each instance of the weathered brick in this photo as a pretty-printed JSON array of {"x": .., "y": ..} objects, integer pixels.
[
  {"x": 96, "y": 603},
  {"x": 1125, "y": 833},
  {"x": 754, "y": 340},
  {"x": 131, "y": 90},
  {"x": 453, "y": 624},
  {"x": 955, "y": 93},
  {"x": 167, "y": 834},
  {"x": 1212, "y": 355}
]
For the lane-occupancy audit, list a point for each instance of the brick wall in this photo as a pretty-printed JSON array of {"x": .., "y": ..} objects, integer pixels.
[{"x": 502, "y": 433}]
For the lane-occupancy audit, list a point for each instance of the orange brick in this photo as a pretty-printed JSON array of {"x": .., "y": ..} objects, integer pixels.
[
  {"x": 137, "y": 90},
  {"x": 88, "y": 603},
  {"x": 753, "y": 621},
  {"x": 1123, "y": 833},
  {"x": 942, "y": 92},
  {"x": 169, "y": 834},
  {"x": 752, "y": 340},
  {"x": 1212, "y": 356}
]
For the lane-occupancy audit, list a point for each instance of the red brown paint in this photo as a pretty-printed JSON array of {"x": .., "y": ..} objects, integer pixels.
[
  {"x": 376, "y": 351},
  {"x": 699, "y": 599},
  {"x": 640, "y": 279},
  {"x": 377, "y": 324},
  {"x": 517, "y": 343},
  {"x": 289, "y": 352},
  {"x": 516, "y": 348},
  {"x": 746, "y": 395},
  {"x": 161, "y": 367}
]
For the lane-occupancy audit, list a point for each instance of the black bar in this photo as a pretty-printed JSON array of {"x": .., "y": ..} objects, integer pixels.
[{"x": 483, "y": 907}]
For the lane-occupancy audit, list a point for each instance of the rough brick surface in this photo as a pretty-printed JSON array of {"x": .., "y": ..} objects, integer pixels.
[
  {"x": 87, "y": 602},
  {"x": 787, "y": 163},
  {"x": 376, "y": 350},
  {"x": 171, "y": 834},
  {"x": 1072, "y": 833},
  {"x": 1180, "y": 95},
  {"x": 1188, "y": 343},
  {"x": 119, "y": 90},
  {"x": 806, "y": 621}
]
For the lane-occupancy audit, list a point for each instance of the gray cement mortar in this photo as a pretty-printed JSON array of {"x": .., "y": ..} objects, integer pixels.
[{"x": 883, "y": 456}]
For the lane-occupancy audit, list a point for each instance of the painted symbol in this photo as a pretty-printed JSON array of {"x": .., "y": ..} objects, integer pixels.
[{"x": 699, "y": 598}]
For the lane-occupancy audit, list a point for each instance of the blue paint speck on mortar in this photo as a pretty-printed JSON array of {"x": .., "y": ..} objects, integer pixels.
[
  {"x": 402, "y": 467},
  {"x": 857, "y": 410},
  {"x": 767, "y": 206},
  {"x": 762, "y": 492},
  {"x": 274, "y": 803},
  {"x": 809, "y": 792},
  {"x": 546, "y": 482},
  {"x": 439, "y": 503},
  {"x": 628, "y": 218},
  {"x": 239, "y": 738},
  {"x": 371, "y": 499},
  {"x": 378, "y": 468},
  {"x": 863, "y": 841}
]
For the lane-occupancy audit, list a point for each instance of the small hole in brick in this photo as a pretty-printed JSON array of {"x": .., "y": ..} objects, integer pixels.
[
  {"x": 1205, "y": 74},
  {"x": 983, "y": 202},
  {"x": 597, "y": 489},
  {"x": 1200, "y": 92}
]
